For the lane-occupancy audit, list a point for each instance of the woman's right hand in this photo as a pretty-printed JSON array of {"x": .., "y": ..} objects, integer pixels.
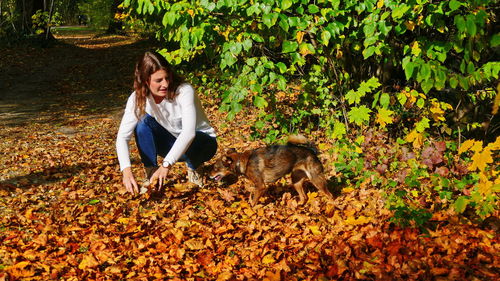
[{"x": 129, "y": 181}]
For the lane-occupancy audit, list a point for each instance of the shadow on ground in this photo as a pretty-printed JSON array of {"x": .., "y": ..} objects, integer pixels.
[{"x": 80, "y": 74}]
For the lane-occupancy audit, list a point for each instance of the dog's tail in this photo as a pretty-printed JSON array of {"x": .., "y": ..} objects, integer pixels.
[{"x": 300, "y": 140}]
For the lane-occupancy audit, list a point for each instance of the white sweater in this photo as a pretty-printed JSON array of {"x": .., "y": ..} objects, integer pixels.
[{"x": 182, "y": 117}]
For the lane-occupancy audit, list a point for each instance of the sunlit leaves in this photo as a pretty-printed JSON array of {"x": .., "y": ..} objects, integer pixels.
[
  {"x": 384, "y": 117},
  {"x": 359, "y": 115}
]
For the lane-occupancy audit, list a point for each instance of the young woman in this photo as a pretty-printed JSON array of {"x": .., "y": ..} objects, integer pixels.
[{"x": 167, "y": 119}]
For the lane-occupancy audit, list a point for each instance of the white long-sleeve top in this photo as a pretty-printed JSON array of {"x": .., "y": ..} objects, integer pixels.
[{"x": 182, "y": 117}]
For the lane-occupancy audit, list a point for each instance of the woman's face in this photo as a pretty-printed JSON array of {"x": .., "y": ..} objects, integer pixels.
[{"x": 158, "y": 84}]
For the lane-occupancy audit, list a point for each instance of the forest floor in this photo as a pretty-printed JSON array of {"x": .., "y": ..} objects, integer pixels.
[{"x": 64, "y": 214}]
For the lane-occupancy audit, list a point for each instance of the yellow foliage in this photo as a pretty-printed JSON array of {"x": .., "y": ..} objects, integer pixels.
[
  {"x": 465, "y": 146},
  {"x": 268, "y": 259},
  {"x": 314, "y": 229},
  {"x": 438, "y": 109},
  {"x": 410, "y": 25},
  {"x": 384, "y": 117},
  {"x": 88, "y": 261},
  {"x": 415, "y": 49},
  {"x": 300, "y": 36},
  {"x": 416, "y": 138},
  {"x": 480, "y": 160},
  {"x": 484, "y": 186},
  {"x": 380, "y": 4},
  {"x": 360, "y": 220}
]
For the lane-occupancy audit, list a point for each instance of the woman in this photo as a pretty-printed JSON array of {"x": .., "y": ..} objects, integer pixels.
[{"x": 167, "y": 119}]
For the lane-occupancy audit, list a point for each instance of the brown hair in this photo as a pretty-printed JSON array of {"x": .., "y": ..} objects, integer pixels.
[{"x": 148, "y": 64}]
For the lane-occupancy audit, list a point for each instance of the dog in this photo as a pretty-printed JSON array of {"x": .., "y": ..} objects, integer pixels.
[{"x": 267, "y": 164}]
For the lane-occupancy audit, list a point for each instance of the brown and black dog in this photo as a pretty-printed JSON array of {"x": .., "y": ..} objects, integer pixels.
[{"x": 268, "y": 164}]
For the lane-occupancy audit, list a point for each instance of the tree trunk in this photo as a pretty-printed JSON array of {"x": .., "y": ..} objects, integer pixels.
[{"x": 115, "y": 26}]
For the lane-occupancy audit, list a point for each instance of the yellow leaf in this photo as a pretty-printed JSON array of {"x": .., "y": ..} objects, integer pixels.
[
  {"x": 436, "y": 112},
  {"x": 311, "y": 196},
  {"x": 304, "y": 49},
  {"x": 384, "y": 117},
  {"x": 249, "y": 211},
  {"x": 484, "y": 186},
  {"x": 480, "y": 160},
  {"x": 140, "y": 261},
  {"x": 465, "y": 146},
  {"x": 494, "y": 145},
  {"x": 347, "y": 190},
  {"x": 380, "y": 4},
  {"x": 415, "y": 49},
  {"x": 360, "y": 220},
  {"x": 88, "y": 261},
  {"x": 267, "y": 259},
  {"x": 314, "y": 229},
  {"x": 477, "y": 147},
  {"x": 358, "y": 149},
  {"x": 123, "y": 220},
  {"x": 410, "y": 25},
  {"x": 416, "y": 138},
  {"x": 300, "y": 36}
]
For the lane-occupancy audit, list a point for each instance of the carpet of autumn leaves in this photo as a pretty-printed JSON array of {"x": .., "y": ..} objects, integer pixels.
[{"x": 65, "y": 216}]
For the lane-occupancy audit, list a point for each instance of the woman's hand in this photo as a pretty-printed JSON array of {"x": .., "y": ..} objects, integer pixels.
[
  {"x": 129, "y": 181},
  {"x": 160, "y": 176}
]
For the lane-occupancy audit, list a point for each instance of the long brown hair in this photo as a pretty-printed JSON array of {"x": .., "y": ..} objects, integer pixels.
[{"x": 148, "y": 64}]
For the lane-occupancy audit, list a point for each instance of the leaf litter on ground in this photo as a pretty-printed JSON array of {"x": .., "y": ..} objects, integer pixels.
[{"x": 65, "y": 215}]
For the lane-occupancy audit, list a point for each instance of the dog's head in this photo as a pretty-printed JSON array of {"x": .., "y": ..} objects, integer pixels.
[{"x": 224, "y": 165}]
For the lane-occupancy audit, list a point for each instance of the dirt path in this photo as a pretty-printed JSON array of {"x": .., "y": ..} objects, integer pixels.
[{"x": 81, "y": 74}]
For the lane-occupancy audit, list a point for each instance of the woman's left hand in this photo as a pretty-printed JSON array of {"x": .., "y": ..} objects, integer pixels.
[{"x": 160, "y": 176}]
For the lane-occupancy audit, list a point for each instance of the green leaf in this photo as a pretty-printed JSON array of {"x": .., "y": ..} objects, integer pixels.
[
  {"x": 422, "y": 125},
  {"x": 420, "y": 102},
  {"x": 94, "y": 201},
  {"x": 460, "y": 23},
  {"x": 454, "y": 5},
  {"x": 282, "y": 83},
  {"x": 425, "y": 71},
  {"x": 339, "y": 130},
  {"x": 495, "y": 40},
  {"x": 259, "y": 102},
  {"x": 353, "y": 96},
  {"x": 270, "y": 19},
  {"x": 410, "y": 66},
  {"x": 470, "y": 68},
  {"x": 313, "y": 9},
  {"x": 359, "y": 115},
  {"x": 427, "y": 85},
  {"x": 282, "y": 67},
  {"x": 368, "y": 52},
  {"x": 471, "y": 25},
  {"x": 325, "y": 37},
  {"x": 385, "y": 100},
  {"x": 460, "y": 204},
  {"x": 289, "y": 46},
  {"x": 453, "y": 82},
  {"x": 440, "y": 79},
  {"x": 285, "y": 4},
  {"x": 400, "y": 11}
]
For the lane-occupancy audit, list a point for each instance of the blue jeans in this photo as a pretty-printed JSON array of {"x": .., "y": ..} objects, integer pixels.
[{"x": 152, "y": 140}]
